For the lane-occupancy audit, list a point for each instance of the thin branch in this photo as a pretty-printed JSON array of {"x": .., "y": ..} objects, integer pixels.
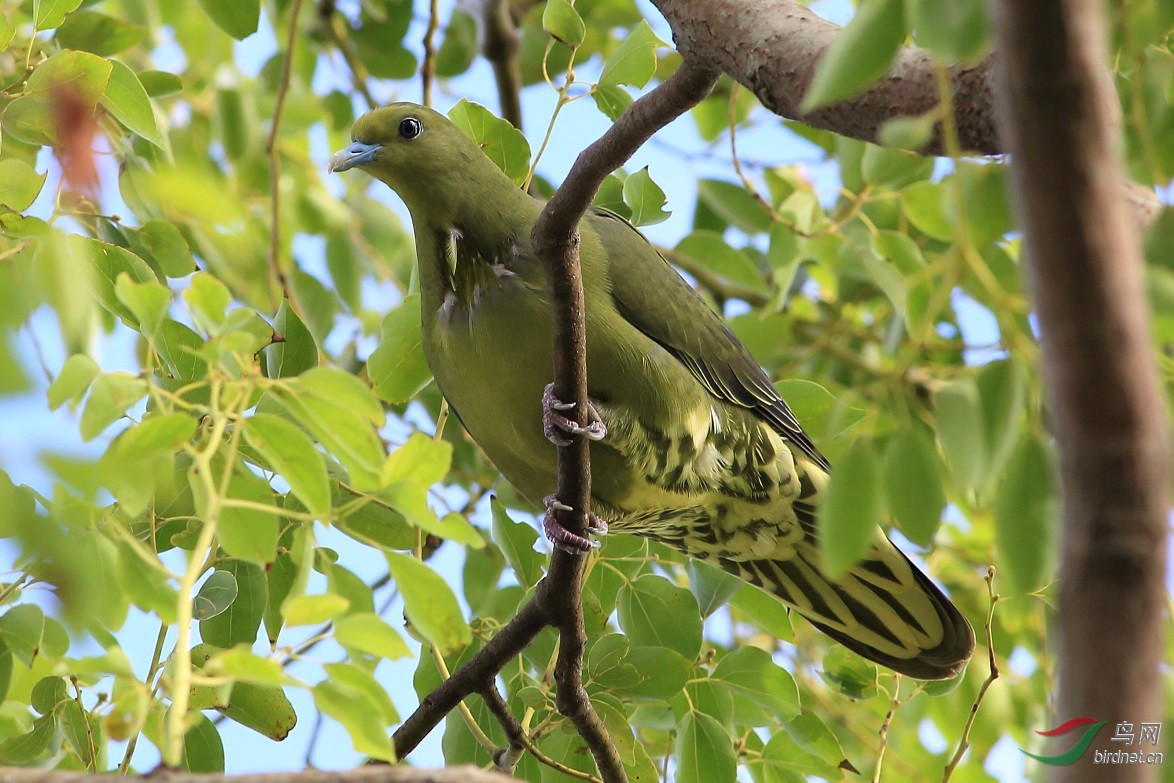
[
  {"x": 501, "y": 49},
  {"x": 428, "y": 68},
  {"x": 773, "y": 47},
  {"x": 332, "y": 23},
  {"x": 992, "y": 675},
  {"x": 276, "y": 271},
  {"x": 506, "y": 759},
  {"x": 556, "y": 240}
]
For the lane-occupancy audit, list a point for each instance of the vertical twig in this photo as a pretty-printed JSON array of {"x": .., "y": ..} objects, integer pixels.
[
  {"x": 276, "y": 270},
  {"x": 428, "y": 68},
  {"x": 964, "y": 740},
  {"x": 501, "y": 49}
]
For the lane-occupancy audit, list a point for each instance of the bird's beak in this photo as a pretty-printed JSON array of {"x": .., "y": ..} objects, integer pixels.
[{"x": 356, "y": 154}]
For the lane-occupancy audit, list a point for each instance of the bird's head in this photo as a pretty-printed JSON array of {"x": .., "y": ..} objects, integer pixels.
[{"x": 418, "y": 153}]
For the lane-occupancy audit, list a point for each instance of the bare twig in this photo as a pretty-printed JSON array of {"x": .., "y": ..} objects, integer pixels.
[
  {"x": 276, "y": 271},
  {"x": 501, "y": 49},
  {"x": 992, "y": 675},
  {"x": 428, "y": 68},
  {"x": 332, "y": 23}
]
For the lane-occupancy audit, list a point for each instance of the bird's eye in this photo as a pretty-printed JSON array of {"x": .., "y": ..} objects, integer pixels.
[{"x": 409, "y": 128}]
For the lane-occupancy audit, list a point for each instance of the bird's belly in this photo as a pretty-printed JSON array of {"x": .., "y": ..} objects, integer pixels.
[{"x": 491, "y": 362}]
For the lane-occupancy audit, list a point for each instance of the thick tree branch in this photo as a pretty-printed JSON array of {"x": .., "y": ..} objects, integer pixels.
[
  {"x": 1085, "y": 265},
  {"x": 774, "y": 47},
  {"x": 372, "y": 774}
]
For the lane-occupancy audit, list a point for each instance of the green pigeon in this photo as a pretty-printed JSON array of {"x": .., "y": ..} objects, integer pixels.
[{"x": 696, "y": 449}]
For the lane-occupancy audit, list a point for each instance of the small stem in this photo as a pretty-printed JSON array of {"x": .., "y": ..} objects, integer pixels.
[
  {"x": 428, "y": 69},
  {"x": 964, "y": 741},
  {"x": 277, "y": 273},
  {"x": 152, "y": 670}
]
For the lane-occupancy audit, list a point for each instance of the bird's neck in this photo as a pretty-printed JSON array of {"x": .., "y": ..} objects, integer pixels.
[{"x": 466, "y": 252}]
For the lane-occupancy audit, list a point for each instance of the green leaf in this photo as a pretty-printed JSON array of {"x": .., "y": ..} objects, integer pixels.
[
  {"x": 613, "y": 100},
  {"x": 242, "y": 664},
  {"x": 922, "y": 204},
  {"x": 127, "y": 100},
  {"x": 848, "y": 673},
  {"x": 660, "y": 673},
  {"x": 293, "y": 455},
  {"x": 98, "y": 33},
  {"x": 203, "y": 750},
  {"x": 31, "y": 746},
  {"x": 501, "y": 142},
  {"x": 516, "y": 542},
  {"x": 961, "y": 430},
  {"x": 83, "y": 733},
  {"x": 207, "y": 298},
  {"x": 456, "y": 528},
  {"x": 397, "y": 367},
  {"x": 849, "y": 515},
  {"x": 126, "y": 467},
  {"x": 360, "y": 678},
  {"x": 805, "y": 746},
  {"x": 147, "y": 302},
  {"x": 370, "y": 634},
  {"x": 109, "y": 262},
  {"x": 263, "y": 708},
  {"x": 296, "y": 352},
  {"x": 822, "y": 415},
  {"x": 1002, "y": 391},
  {"x": 160, "y": 83},
  {"x": 47, "y": 694},
  {"x": 215, "y": 595},
  {"x": 709, "y": 249},
  {"x": 429, "y": 604},
  {"x": 76, "y": 375},
  {"x": 1027, "y": 516},
  {"x": 645, "y": 199},
  {"x": 733, "y": 204},
  {"x": 247, "y": 533},
  {"x": 357, "y": 710},
  {"x": 859, "y": 55},
  {"x": 21, "y": 628},
  {"x": 313, "y": 609},
  {"x": 711, "y": 586},
  {"x": 907, "y": 133},
  {"x": 894, "y": 168},
  {"x": 84, "y": 74},
  {"x": 634, "y": 62},
  {"x": 704, "y": 750},
  {"x": 913, "y": 479},
  {"x": 110, "y": 397},
  {"x": 238, "y": 18},
  {"x": 562, "y": 21},
  {"x": 238, "y": 623},
  {"x": 458, "y": 50},
  {"x": 764, "y": 610},
  {"x": 20, "y": 184},
  {"x": 48, "y": 14},
  {"x": 644, "y": 603},
  {"x": 955, "y": 30},
  {"x": 420, "y": 460},
  {"x": 751, "y": 675}
]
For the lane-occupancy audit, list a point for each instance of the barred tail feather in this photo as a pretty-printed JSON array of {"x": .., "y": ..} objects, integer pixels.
[{"x": 884, "y": 608}]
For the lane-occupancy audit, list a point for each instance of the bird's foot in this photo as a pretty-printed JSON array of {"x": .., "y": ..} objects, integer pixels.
[
  {"x": 565, "y": 539},
  {"x": 555, "y": 424}
]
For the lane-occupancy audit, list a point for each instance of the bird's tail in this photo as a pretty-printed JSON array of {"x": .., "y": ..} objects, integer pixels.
[{"x": 883, "y": 608}]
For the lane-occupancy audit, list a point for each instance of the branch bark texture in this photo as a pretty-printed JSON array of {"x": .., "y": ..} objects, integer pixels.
[
  {"x": 1085, "y": 265},
  {"x": 773, "y": 47},
  {"x": 557, "y": 601}
]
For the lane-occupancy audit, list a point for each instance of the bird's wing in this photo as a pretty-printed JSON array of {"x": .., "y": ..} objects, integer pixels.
[{"x": 655, "y": 299}]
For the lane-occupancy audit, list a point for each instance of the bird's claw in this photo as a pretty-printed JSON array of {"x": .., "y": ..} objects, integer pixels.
[
  {"x": 565, "y": 539},
  {"x": 554, "y": 424}
]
